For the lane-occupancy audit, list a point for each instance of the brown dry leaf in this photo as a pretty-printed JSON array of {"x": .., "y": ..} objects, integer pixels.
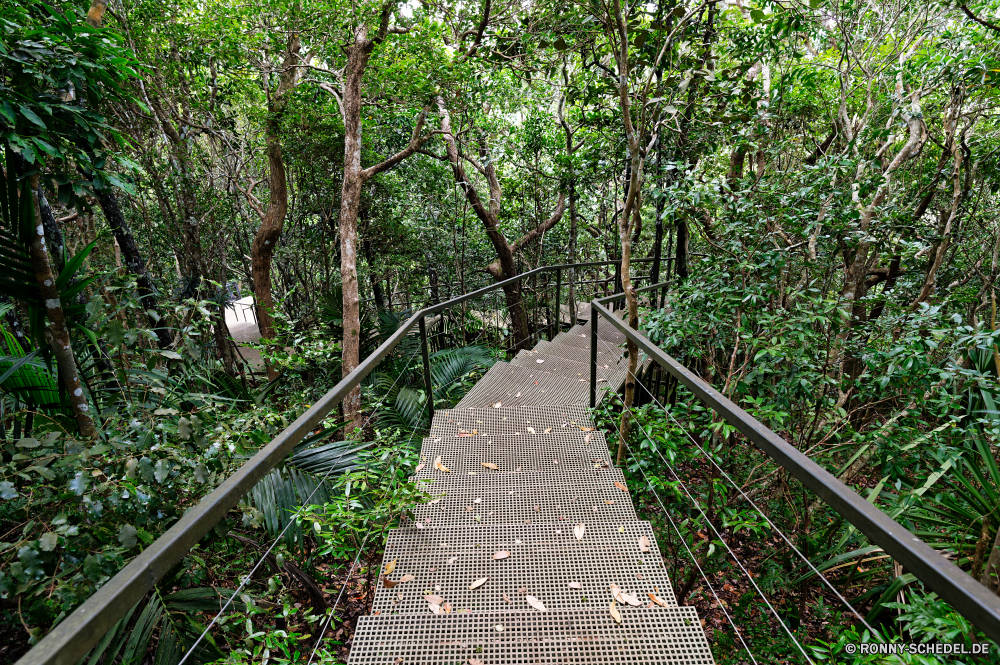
[
  {"x": 497, "y": 405},
  {"x": 463, "y": 433},
  {"x": 387, "y": 583},
  {"x": 616, "y": 593},
  {"x": 420, "y": 466},
  {"x": 728, "y": 587},
  {"x": 523, "y": 589},
  {"x": 586, "y": 439},
  {"x": 434, "y": 599},
  {"x": 447, "y": 608},
  {"x": 532, "y": 430},
  {"x": 389, "y": 567},
  {"x": 508, "y": 599},
  {"x": 578, "y": 531},
  {"x": 588, "y": 429},
  {"x": 575, "y": 585},
  {"x": 547, "y": 430},
  {"x": 439, "y": 466},
  {"x": 475, "y": 661},
  {"x": 490, "y": 465},
  {"x": 406, "y": 578},
  {"x": 436, "y": 609},
  {"x": 534, "y": 602},
  {"x": 644, "y": 544},
  {"x": 502, "y": 554},
  {"x": 610, "y": 503},
  {"x": 399, "y": 660},
  {"x": 478, "y": 583},
  {"x": 656, "y": 599},
  {"x": 615, "y": 614},
  {"x": 621, "y": 486}
]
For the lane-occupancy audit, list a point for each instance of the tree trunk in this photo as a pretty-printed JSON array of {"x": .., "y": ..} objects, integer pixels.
[
  {"x": 262, "y": 250},
  {"x": 571, "y": 254},
  {"x": 350, "y": 199},
  {"x": 373, "y": 276},
  {"x": 60, "y": 342},
  {"x": 108, "y": 201}
]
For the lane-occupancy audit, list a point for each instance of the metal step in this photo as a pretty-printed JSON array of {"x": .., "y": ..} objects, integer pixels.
[
  {"x": 664, "y": 635},
  {"x": 543, "y": 566},
  {"x": 580, "y": 354},
  {"x": 519, "y": 386},
  {"x": 516, "y": 503},
  {"x": 559, "y": 448},
  {"x": 436, "y": 482},
  {"x": 571, "y": 369},
  {"x": 499, "y": 421}
]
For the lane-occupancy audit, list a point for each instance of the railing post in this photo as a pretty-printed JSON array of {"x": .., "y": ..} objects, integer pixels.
[
  {"x": 558, "y": 304},
  {"x": 427, "y": 368},
  {"x": 593, "y": 355}
]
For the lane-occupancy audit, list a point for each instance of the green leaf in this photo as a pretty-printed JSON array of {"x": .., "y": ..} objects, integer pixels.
[
  {"x": 30, "y": 115},
  {"x": 48, "y": 541},
  {"x": 162, "y": 471},
  {"x": 757, "y": 15},
  {"x": 7, "y": 491},
  {"x": 127, "y": 536}
]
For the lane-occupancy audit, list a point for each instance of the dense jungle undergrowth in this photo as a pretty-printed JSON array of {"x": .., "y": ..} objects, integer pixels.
[{"x": 211, "y": 212}]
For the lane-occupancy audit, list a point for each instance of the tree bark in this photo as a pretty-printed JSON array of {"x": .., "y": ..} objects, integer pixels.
[
  {"x": 59, "y": 333},
  {"x": 108, "y": 201},
  {"x": 358, "y": 55},
  {"x": 273, "y": 220}
]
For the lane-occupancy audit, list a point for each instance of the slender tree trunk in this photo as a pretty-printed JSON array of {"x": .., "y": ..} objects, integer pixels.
[
  {"x": 373, "y": 276},
  {"x": 60, "y": 341},
  {"x": 108, "y": 201},
  {"x": 273, "y": 221},
  {"x": 571, "y": 252}
]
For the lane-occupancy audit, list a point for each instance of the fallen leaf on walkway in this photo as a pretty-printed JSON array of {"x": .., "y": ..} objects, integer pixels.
[
  {"x": 656, "y": 599},
  {"x": 644, "y": 544},
  {"x": 420, "y": 466},
  {"x": 462, "y": 432},
  {"x": 475, "y": 661},
  {"x": 631, "y": 600},
  {"x": 588, "y": 429},
  {"x": 452, "y": 560},
  {"x": 468, "y": 509},
  {"x": 621, "y": 486},
  {"x": 406, "y": 578},
  {"x": 502, "y": 554},
  {"x": 555, "y": 461},
  {"x": 615, "y": 614},
  {"x": 439, "y": 466},
  {"x": 508, "y": 599},
  {"x": 538, "y": 509},
  {"x": 534, "y": 602},
  {"x": 399, "y": 595},
  {"x": 387, "y": 583},
  {"x": 447, "y": 608},
  {"x": 575, "y": 585},
  {"x": 586, "y": 439},
  {"x": 523, "y": 589},
  {"x": 436, "y": 609},
  {"x": 399, "y": 660},
  {"x": 578, "y": 531},
  {"x": 517, "y": 542},
  {"x": 610, "y": 503},
  {"x": 517, "y": 395},
  {"x": 547, "y": 430},
  {"x": 478, "y": 501},
  {"x": 434, "y": 600},
  {"x": 490, "y": 465},
  {"x": 389, "y": 567},
  {"x": 639, "y": 576},
  {"x": 419, "y": 525},
  {"x": 497, "y": 405},
  {"x": 499, "y": 628},
  {"x": 478, "y": 583},
  {"x": 532, "y": 430},
  {"x": 596, "y": 509},
  {"x": 479, "y": 518}
]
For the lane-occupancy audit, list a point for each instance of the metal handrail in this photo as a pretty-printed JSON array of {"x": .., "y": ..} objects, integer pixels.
[
  {"x": 969, "y": 598},
  {"x": 73, "y": 638}
]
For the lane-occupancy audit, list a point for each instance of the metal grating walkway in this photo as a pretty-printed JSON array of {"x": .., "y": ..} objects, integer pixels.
[{"x": 530, "y": 528}]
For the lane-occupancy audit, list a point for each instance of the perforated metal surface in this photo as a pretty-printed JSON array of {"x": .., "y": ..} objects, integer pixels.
[
  {"x": 663, "y": 635},
  {"x": 521, "y": 450},
  {"x": 497, "y": 422},
  {"x": 453, "y": 483},
  {"x": 595, "y": 563},
  {"x": 533, "y": 537},
  {"x": 517, "y": 386},
  {"x": 526, "y": 505},
  {"x": 613, "y": 376},
  {"x": 580, "y": 354}
]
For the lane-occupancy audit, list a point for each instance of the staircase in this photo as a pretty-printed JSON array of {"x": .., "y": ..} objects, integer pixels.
[{"x": 517, "y": 564}]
